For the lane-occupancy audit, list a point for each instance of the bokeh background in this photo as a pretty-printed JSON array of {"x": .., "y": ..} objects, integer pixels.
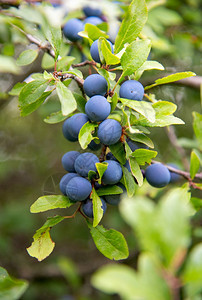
[{"x": 31, "y": 151}]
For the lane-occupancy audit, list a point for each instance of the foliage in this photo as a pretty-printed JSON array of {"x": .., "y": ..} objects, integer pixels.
[{"x": 163, "y": 230}]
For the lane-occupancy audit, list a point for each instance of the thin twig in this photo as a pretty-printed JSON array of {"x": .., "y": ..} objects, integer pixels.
[
  {"x": 103, "y": 153},
  {"x": 78, "y": 80},
  {"x": 84, "y": 63},
  {"x": 174, "y": 141},
  {"x": 74, "y": 214}
]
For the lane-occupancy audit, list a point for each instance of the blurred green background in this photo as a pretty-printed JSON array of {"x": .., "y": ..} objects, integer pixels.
[{"x": 30, "y": 165}]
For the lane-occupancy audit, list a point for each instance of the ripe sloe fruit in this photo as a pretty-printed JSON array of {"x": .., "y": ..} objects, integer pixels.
[
  {"x": 72, "y": 126},
  {"x": 115, "y": 199},
  {"x": 110, "y": 156},
  {"x": 90, "y": 11},
  {"x": 95, "y": 52},
  {"x": 157, "y": 175},
  {"x": 93, "y": 20},
  {"x": 88, "y": 207},
  {"x": 132, "y": 89},
  {"x": 85, "y": 162},
  {"x": 109, "y": 132},
  {"x": 71, "y": 29},
  {"x": 78, "y": 189},
  {"x": 93, "y": 146},
  {"x": 95, "y": 84},
  {"x": 68, "y": 160},
  {"x": 97, "y": 108},
  {"x": 113, "y": 173},
  {"x": 64, "y": 181},
  {"x": 66, "y": 131}
]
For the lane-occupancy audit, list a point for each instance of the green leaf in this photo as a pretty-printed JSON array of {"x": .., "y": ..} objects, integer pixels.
[
  {"x": 197, "y": 125},
  {"x": 141, "y": 138},
  {"x": 131, "y": 284},
  {"x": 17, "y": 89},
  {"x": 134, "y": 56},
  {"x": 171, "y": 78},
  {"x": 148, "y": 65},
  {"x": 47, "y": 62},
  {"x": 136, "y": 171},
  {"x": 109, "y": 57},
  {"x": 97, "y": 208},
  {"x": 92, "y": 33},
  {"x": 55, "y": 117},
  {"x": 26, "y": 110},
  {"x": 67, "y": 100},
  {"x": 110, "y": 243},
  {"x": 132, "y": 24},
  {"x": 128, "y": 150},
  {"x": 32, "y": 92},
  {"x": 116, "y": 279},
  {"x": 114, "y": 101},
  {"x": 101, "y": 168},
  {"x": 109, "y": 190},
  {"x": 81, "y": 102},
  {"x": 129, "y": 182},
  {"x": 164, "y": 108},
  {"x": 192, "y": 275},
  {"x": 143, "y": 156},
  {"x": 92, "y": 175},
  {"x": 75, "y": 72},
  {"x": 118, "y": 151},
  {"x": 64, "y": 63},
  {"x": 54, "y": 36},
  {"x": 42, "y": 246},
  {"x": 50, "y": 202},
  {"x": 162, "y": 229},
  {"x": 85, "y": 134},
  {"x": 11, "y": 288},
  {"x": 196, "y": 202},
  {"x": 142, "y": 107},
  {"x": 161, "y": 121},
  {"x": 195, "y": 164},
  {"x": 8, "y": 65},
  {"x": 27, "y": 57}
]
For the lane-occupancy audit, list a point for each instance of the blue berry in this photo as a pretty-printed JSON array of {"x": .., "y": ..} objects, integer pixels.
[
  {"x": 90, "y": 11},
  {"x": 109, "y": 132},
  {"x": 157, "y": 175},
  {"x": 132, "y": 89},
  {"x": 113, "y": 173},
  {"x": 95, "y": 84},
  {"x": 95, "y": 52},
  {"x": 68, "y": 160},
  {"x": 66, "y": 131},
  {"x": 115, "y": 199},
  {"x": 93, "y": 20},
  {"x": 78, "y": 189},
  {"x": 72, "y": 126},
  {"x": 110, "y": 156},
  {"x": 85, "y": 162},
  {"x": 97, "y": 108},
  {"x": 87, "y": 207},
  {"x": 94, "y": 146},
  {"x": 71, "y": 29},
  {"x": 64, "y": 181}
]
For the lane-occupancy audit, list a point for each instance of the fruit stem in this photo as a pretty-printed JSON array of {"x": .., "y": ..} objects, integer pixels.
[{"x": 103, "y": 153}]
